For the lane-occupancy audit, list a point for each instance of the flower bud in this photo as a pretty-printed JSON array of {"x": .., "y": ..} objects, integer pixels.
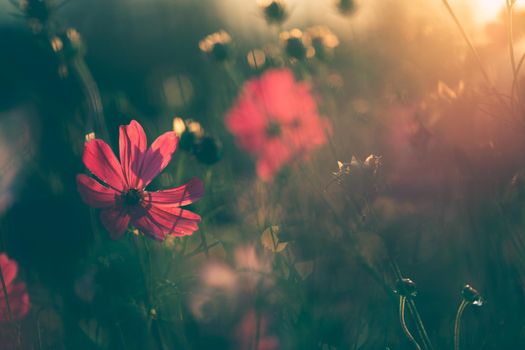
[
  {"x": 296, "y": 44},
  {"x": 406, "y": 287},
  {"x": 67, "y": 44},
  {"x": 471, "y": 295},
  {"x": 346, "y": 7},
  {"x": 216, "y": 45},
  {"x": 208, "y": 150},
  {"x": 36, "y": 11},
  {"x": 274, "y": 11}
]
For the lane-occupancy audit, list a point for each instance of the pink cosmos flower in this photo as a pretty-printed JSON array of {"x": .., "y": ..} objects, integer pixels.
[
  {"x": 121, "y": 195},
  {"x": 276, "y": 120},
  {"x": 16, "y": 292}
]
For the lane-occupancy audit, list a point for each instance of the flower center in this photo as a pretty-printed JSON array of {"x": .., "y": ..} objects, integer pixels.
[
  {"x": 273, "y": 129},
  {"x": 132, "y": 197}
]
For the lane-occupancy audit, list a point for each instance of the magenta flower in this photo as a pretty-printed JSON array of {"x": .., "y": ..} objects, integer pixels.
[
  {"x": 276, "y": 120},
  {"x": 121, "y": 195},
  {"x": 16, "y": 292}
]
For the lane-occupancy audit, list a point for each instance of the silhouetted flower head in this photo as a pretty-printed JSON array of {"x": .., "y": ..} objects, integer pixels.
[
  {"x": 216, "y": 45},
  {"x": 37, "y": 12},
  {"x": 471, "y": 295},
  {"x": 208, "y": 150},
  {"x": 296, "y": 44},
  {"x": 275, "y": 11},
  {"x": 122, "y": 196},
  {"x": 406, "y": 287},
  {"x": 346, "y": 7},
  {"x": 276, "y": 120},
  {"x": 16, "y": 292}
]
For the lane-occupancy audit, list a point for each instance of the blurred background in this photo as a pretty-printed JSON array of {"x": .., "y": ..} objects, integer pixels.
[{"x": 399, "y": 81}]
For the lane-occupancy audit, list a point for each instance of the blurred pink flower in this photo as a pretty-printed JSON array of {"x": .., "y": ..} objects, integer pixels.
[
  {"x": 121, "y": 194},
  {"x": 276, "y": 120},
  {"x": 247, "y": 333},
  {"x": 16, "y": 292}
]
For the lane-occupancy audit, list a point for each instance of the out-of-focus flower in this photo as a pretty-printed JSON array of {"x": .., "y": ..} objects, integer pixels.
[
  {"x": 346, "y": 7},
  {"x": 223, "y": 284},
  {"x": 68, "y": 43},
  {"x": 86, "y": 287},
  {"x": 372, "y": 163},
  {"x": 276, "y": 120},
  {"x": 188, "y": 131},
  {"x": 207, "y": 149},
  {"x": 323, "y": 40},
  {"x": 67, "y": 46},
  {"x": 275, "y": 11},
  {"x": 37, "y": 12},
  {"x": 122, "y": 196},
  {"x": 252, "y": 333},
  {"x": 16, "y": 292},
  {"x": 216, "y": 45},
  {"x": 296, "y": 44}
]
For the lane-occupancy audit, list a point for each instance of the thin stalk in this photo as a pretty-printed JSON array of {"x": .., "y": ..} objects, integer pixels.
[
  {"x": 409, "y": 335},
  {"x": 92, "y": 94},
  {"x": 457, "y": 323},
  {"x": 471, "y": 47},
  {"x": 412, "y": 308},
  {"x": 160, "y": 340}
]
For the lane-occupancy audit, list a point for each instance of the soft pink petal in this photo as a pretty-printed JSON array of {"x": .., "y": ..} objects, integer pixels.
[
  {"x": 116, "y": 221},
  {"x": 18, "y": 302},
  {"x": 101, "y": 161},
  {"x": 94, "y": 194},
  {"x": 274, "y": 156},
  {"x": 275, "y": 92},
  {"x": 180, "y": 196},
  {"x": 9, "y": 270},
  {"x": 156, "y": 158},
  {"x": 133, "y": 145},
  {"x": 160, "y": 221}
]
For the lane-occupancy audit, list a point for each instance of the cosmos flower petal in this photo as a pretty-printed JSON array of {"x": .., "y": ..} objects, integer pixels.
[
  {"x": 94, "y": 194},
  {"x": 157, "y": 157},
  {"x": 180, "y": 196},
  {"x": 276, "y": 120},
  {"x": 116, "y": 221},
  {"x": 273, "y": 157},
  {"x": 102, "y": 162},
  {"x": 18, "y": 302},
  {"x": 163, "y": 220},
  {"x": 16, "y": 292},
  {"x": 9, "y": 269},
  {"x": 132, "y": 145}
]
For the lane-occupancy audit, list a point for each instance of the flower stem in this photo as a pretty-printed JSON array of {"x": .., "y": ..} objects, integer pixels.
[
  {"x": 412, "y": 308},
  {"x": 92, "y": 94},
  {"x": 402, "y": 301},
  {"x": 457, "y": 323}
]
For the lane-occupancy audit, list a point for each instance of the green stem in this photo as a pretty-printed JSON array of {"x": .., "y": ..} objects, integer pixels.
[
  {"x": 457, "y": 323},
  {"x": 409, "y": 335},
  {"x": 413, "y": 311},
  {"x": 148, "y": 298},
  {"x": 92, "y": 94}
]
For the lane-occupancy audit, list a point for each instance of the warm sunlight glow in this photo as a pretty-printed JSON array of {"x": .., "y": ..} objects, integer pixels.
[{"x": 487, "y": 10}]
